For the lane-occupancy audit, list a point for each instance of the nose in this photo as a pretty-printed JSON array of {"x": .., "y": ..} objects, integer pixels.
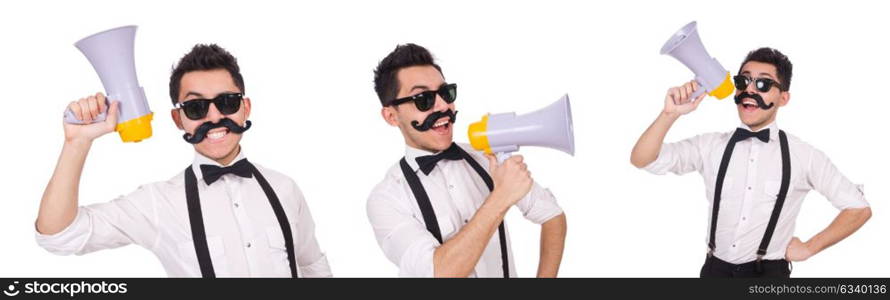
[
  {"x": 750, "y": 88},
  {"x": 213, "y": 114},
  {"x": 440, "y": 104}
]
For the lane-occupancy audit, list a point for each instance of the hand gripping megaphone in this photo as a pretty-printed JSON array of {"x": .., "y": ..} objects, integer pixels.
[
  {"x": 503, "y": 133},
  {"x": 686, "y": 46},
  {"x": 111, "y": 54}
]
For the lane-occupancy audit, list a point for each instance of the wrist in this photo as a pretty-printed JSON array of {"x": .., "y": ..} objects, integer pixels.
[
  {"x": 498, "y": 202},
  {"x": 811, "y": 248},
  {"x": 671, "y": 115},
  {"x": 78, "y": 143}
]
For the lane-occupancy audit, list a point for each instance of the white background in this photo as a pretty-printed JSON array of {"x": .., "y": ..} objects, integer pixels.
[{"x": 308, "y": 69}]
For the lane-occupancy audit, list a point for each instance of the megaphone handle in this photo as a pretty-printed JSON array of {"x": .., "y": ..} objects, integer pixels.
[
  {"x": 697, "y": 93},
  {"x": 502, "y": 156},
  {"x": 71, "y": 119}
]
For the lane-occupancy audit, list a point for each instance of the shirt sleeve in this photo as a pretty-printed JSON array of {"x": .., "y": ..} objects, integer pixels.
[
  {"x": 679, "y": 157},
  {"x": 120, "y": 222},
  {"x": 403, "y": 238},
  {"x": 310, "y": 259},
  {"x": 825, "y": 178},
  {"x": 539, "y": 205}
]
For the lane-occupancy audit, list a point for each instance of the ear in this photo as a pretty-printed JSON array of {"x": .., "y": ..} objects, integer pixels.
[
  {"x": 174, "y": 114},
  {"x": 390, "y": 115},
  {"x": 246, "y": 108},
  {"x": 786, "y": 96}
]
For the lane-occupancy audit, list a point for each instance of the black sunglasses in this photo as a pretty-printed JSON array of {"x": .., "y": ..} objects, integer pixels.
[
  {"x": 761, "y": 84},
  {"x": 427, "y": 99},
  {"x": 196, "y": 109}
]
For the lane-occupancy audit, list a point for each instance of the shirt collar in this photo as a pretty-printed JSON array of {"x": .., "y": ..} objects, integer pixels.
[
  {"x": 200, "y": 159},
  {"x": 773, "y": 130}
]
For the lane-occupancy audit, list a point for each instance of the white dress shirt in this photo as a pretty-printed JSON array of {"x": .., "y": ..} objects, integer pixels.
[
  {"x": 456, "y": 191},
  {"x": 243, "y": 234},
  {"x": 752, "y": 182}
]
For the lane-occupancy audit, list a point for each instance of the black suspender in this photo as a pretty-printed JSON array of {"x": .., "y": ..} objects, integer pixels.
[
  {"x": 282, "y": 219},
  {"x": 197, "y": 223},
  {"x": 718, "y": 190},
  {"x": 199, "y": 236},
  {"x": 429, "y": 215},
  {"x": 423, "y": 201},
  {"x": 780, "y": 198},
  {"x": 502, "y": 233}
]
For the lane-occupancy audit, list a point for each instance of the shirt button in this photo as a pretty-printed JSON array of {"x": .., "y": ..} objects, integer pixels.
[
  {"x": 752, "y": 160},
  {"x": 749, "y": 188},
  {"x": 733, "y": 245},
  {"x": 248, "y": 245},
  {"x": 236, "y": 205},
  {"x": 451, "y": 186},
  {"x": 744, "y": 219}
]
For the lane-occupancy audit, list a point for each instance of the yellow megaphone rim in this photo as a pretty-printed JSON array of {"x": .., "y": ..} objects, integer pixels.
[
  {"x": 478, "y": 139},
  {"x": 724, "y": 89},
  {"x": 135, "y": 130}
]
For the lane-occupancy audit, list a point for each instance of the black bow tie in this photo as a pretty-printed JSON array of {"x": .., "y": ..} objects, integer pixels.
[
  {"x": 742, "y": 134},
  {"x": 212, "y": 173},
  {"x": 428, "y": 163}
]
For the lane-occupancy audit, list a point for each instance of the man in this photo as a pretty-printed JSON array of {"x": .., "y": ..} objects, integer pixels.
[
  {"x": 222, "y": 216},
  {"x": 439, "y": 211},
  {"x": 756, "y": 175}
]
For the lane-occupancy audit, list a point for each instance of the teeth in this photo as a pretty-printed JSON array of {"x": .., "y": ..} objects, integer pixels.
[
  {"x": 216, "y": 135},
  {"x": 751, "y": 102},
  {"x": 440, "y": 123}
]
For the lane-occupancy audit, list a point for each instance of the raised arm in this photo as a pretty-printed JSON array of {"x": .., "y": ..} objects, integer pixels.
[
  {"x": 676, "y": 104},
  {"x": 58, "y": 207}
]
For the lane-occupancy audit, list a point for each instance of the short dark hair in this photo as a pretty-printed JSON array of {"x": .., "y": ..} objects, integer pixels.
[
  {"x": 386, "y": 82},
  {"x": 774, "y": 57},
  {"x": 204, "y": 58}
]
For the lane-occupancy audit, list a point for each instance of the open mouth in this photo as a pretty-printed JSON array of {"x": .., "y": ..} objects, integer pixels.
[
  {"x": 749, "y": 105},
  {"x": 218, "y": 133},
  {"x": 442, "y": 125}
]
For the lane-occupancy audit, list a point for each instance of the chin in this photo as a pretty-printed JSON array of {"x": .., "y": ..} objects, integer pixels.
[
  {"x": 755, "y": 122},
  {"x": 751, "y": 119},
  {"x": 216, "y": 151},
  {"x": 436, "y": 145},
  {"x": 443, "y": 143}
]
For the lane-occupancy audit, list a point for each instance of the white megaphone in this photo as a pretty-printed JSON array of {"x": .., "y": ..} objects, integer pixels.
[
  {"x": 503, "y": 133},
  {"x": 111, "y": 54},
  {"x": 686, "y": 46}
]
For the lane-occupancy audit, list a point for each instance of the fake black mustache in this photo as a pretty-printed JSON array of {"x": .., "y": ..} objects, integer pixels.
[
  {"x": 201, "y": 131},
  {"x": 762, "y": 105},
  {"x": 432, "y": 118}
]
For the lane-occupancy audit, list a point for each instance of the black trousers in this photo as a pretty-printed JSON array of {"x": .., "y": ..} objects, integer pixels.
[{"x": 717, "y": 268}]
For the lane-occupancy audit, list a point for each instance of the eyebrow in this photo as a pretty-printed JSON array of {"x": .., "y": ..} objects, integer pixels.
[
  {"x": 190, "y": 93},
  {"x": 420, "y": 86},
  {"x": 761, "y": 74}
]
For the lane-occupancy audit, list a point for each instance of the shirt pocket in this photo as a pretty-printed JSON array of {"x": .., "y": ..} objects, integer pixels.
[
  {"x": 767, "y": 201},
  {"x": 217, "y": 249},
  {"x": 278, "y": 251}
]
